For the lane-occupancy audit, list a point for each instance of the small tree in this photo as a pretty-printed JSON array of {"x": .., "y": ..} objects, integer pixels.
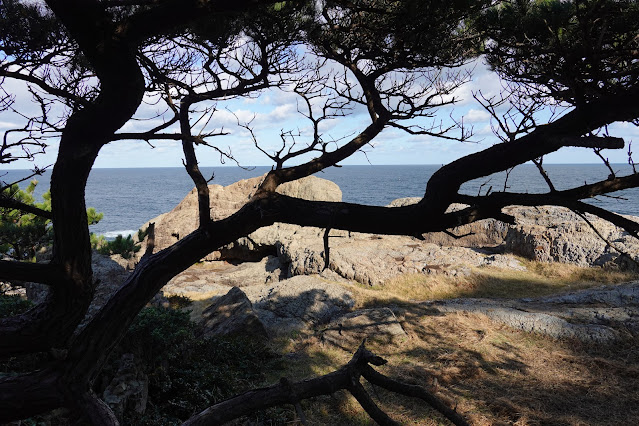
[
  {"x": 396, "y": 60},
  {"x": 22, "y": 234}
]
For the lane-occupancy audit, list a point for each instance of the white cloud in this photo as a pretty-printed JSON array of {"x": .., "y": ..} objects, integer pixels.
[{"x": 476, "y": 115}]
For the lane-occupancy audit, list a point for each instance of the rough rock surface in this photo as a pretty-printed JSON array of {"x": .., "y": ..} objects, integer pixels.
[
  {"x": 352, "y": 328},
  {"x": 546, "y": 234},
  {"x": 483, "y": 233},
  {"x": 226, "y": 200},
  {"x": 370, "y": 259},
  {"x": 232, "y": 314},
  {"x": 555, "y": 234},
  {"x": 602, "y": 314},
  {"x": 216, "y": 277},
  {"x": 129, "y": 390},
  {"x": 294, "y": 304},
  {"x": 298, "y": 302},
  {"x": 541, "y": 233},
  {"x": 109, "y": 273}
]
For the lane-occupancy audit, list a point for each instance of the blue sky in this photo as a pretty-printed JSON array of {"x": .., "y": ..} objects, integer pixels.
[{"x": 274, "y": 111}]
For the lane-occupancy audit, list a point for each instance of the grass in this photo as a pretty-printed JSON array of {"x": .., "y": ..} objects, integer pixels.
[
  {"x": 494, "y": 375},
  {"x": 539, "y": 279}
]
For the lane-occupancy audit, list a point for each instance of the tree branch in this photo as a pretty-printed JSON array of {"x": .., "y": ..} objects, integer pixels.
[
  {"x": 11, "y": 203},
  {"x": 43, "y": 273},
  {"x": 414, "y": 391},
  {"x": 328, "y": 159},
  {"x": 565, "y": 131},
  {"x": 346, "y": 377},
  {"x": 44, "y": 86}
]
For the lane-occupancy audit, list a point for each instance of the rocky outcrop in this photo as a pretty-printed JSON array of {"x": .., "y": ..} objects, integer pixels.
[
  {"x": 556, "y": 234},
  {"x": 550, "y": 234},
  {"x": 232, "y": 314},
  {"x": 299, "y": 302},
  {"x": 295, "y": 304},
  {"x": 217, "y": 277},
  {"x": 603, "y": 314},
  {"x": 367, "y": 258},
  {"x": 483, "y": 233},
  {"x": 546, "y": 234},
  {"x": 226, "y": 200}
]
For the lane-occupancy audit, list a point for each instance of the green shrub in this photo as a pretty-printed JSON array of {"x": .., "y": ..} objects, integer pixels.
[
  {"x": 125, "y": 247},
  {"x": 23, "y": 234},
  {"x": 187, "y": 372},
  {"x": 13, "y": 305},
  {"x": 143, "y": 233}
]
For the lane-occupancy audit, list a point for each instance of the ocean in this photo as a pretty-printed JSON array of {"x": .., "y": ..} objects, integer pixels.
[{"x": 130, "y": 197}]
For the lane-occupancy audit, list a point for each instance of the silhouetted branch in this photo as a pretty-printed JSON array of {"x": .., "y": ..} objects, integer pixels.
[
  {"x": 11, "y": 203},
  {"x": 43, "y": 273},
  {"x": 414, "y": 391},
  {"x": 345, "y": 378}
]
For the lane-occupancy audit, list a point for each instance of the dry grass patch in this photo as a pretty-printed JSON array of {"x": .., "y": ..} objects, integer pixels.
[
  {"x": 493, "y": 374},
  {"x": 540, "y": 279}
]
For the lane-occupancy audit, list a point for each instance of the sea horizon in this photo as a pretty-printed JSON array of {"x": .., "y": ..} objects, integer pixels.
[{"x": 130, "y": 197}]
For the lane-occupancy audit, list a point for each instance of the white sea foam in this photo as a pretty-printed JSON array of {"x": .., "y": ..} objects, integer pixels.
[{"x": 112, "y": 234}]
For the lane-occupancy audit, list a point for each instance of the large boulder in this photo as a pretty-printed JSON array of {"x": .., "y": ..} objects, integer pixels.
[
  {"x": 299, "y": 302},
  {"x": 483, "y": 233},
  {"x": 212, "y": 278},
  {"x": 556, "y": 234},
  {"x": 226, "y": 200},
  {"x": 280, "y": 307},
  {"x": 368, "y": 258},
  {"x": 546, "y": 234},
  {"x": 232, "y": 314}
]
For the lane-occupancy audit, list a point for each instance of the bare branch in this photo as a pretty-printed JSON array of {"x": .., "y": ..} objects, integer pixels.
[
  {"x": 414, "y": 391},
  {"x": 346, "y": 377}
]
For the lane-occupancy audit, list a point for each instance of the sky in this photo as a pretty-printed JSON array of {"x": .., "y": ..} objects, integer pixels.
[{"x": 275, "y": 111}]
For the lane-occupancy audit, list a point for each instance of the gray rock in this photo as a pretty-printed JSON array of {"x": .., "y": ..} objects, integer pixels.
[
  {"x": 547, "y": 234},
  {"x": 183, "y": 219},
  {"x": 299, "y": 302},
  {"x": 110, "y": 276},
  {"x": 217, "y": 277},
  {"x": 352, "y": 328},
  {"x": 232, "y": 314},
  {"x": 374, "y": 259},
  {"x": 555, "y": 234},
  {"x": 107, "y": 272},
  {"x": 603, "y": 314},
  {"x": 483, "y": 233},
  {"x": 535, "y": 322},
  {"x": 129, "y": 390}
]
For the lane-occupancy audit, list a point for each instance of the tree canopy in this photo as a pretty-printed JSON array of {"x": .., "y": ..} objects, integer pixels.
[{"x": 97, "y": 61}]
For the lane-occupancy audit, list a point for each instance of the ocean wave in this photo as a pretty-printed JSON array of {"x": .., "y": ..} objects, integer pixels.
[{"x": 112, "y": 234}]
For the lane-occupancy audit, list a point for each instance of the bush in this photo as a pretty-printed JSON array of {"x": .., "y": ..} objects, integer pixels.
[
  {"x": 125, "y": 247},
  {"x": 13, "y": 305},
  {"x": 22, "y": 234},
  {"x": 188, "y": 373}
]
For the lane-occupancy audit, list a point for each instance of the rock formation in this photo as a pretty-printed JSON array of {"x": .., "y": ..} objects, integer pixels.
[
  {"x": 550, "y": 234},
  {"x": 232, "y": 314}
]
